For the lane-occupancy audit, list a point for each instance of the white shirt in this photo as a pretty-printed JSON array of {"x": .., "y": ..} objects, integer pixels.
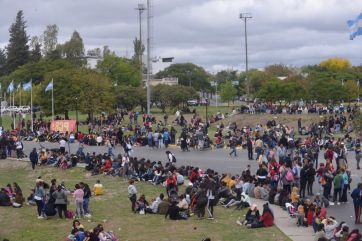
[
  {"x": 62, "y": 143},
  {"x": 99, "y": 139}
]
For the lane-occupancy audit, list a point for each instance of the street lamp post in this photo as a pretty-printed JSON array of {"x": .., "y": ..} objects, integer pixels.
[
  {"x": 76, "y": 112},
  {"x": 245, "y": 17}
]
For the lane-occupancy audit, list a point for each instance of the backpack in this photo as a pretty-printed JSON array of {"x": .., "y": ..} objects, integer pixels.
[{"x": 289, "y": 176}]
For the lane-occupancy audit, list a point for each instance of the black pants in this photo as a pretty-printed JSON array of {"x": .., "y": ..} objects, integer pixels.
[
  {"x": 302, "y": 189},
  {"x": 258, "y": 225},
  {"x": 39, "y": 206},
  {"x": 337, "y": 192},
  {"x": 250, "y": 153},
  {"x": 357, "y": 213},
  {"x": 133, "y": 200},
  {"x": 62, "y": 208},
  {"x": 310, "y": 187},
  {"x": 33, "y": 165},
  {"x": 62, "y": 150}
]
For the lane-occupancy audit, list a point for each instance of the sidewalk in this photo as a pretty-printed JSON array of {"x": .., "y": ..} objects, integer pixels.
[{"x": 286, "y": 224}]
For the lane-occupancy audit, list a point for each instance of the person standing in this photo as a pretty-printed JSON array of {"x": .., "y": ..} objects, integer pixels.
[
  {"x": 109, "y": 147},
  {"x": 86, "y": 198},
  {"x": 39, "y": 196},
  {"x": 132, "y": 194},
  {"x": 337, "y": 183},
  {"x": 358, "y": 152},
  {"x": 249, "y": 145},
  {"x": 232, "y": 145},
  {"x": 61, "y": 201},
  {"x": 78, "y": 196},
  {"x": 33, "y": 158},
  {"x": 19, "y": 150},
  {"x": 357, "y": 202},
  {"x": 62, "y": 144}
]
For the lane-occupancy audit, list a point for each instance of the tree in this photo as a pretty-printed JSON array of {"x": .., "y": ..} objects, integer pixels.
[
  {"x": 130, "y": 97},
  {"x": 2, "y": 62},
  {"x": 256, "y": 79},
  {"x": 352, "y": 90},
  {"x": 336, "y": 64},
  {"x": 73, "y": 50},
  {"x": 120, "y": 70},
  {"x": 272, "y": 91},
  {"x": 278, "y": 70},
  {"x": 228, "y": 92},
  {"x": 91, "y": 103},
  {"x": 18, "y": 48},
  {"x": 324, "y": 91},
  {"x": 35, "y": 54},
  {"x": 50, "y": 40},
  {"x": 139, "y": 49},
  {"x": 188, "y": 74},
  {"x": 225, "y": 75}
]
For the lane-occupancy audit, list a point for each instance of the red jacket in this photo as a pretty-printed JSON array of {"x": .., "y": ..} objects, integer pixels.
[{"x": 267, "y": 219}]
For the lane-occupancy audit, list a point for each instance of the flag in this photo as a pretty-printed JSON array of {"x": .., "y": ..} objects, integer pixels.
[
  {"x": 19, "y": 86},
  {"x": 49, "y": 87},
  {"x": 11, "y": 87},
  {"x": 355, "y": 27},
  {"x": 27, "y": 86}
]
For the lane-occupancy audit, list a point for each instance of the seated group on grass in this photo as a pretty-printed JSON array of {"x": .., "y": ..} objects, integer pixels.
[
  {"x": 52, "y": 200},
  {"x": 79, "y": 233},
  {"x": 11, "y": 195}
]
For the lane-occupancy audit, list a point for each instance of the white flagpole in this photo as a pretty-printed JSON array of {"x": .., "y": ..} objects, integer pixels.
[
  {"x": 14, "y": 122},
  {"x": 31, "y": 105},
  {"x": 52, "y": 100}
]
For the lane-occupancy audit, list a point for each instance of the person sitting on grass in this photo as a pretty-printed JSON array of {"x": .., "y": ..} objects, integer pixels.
[
  {"x": 252, "y": 216},
  {"x": 266, "y": 220},
  {"x": 4, "y": 198},
  {"x": 98, "y": 188},
  {"x": 174, "y": 212},
  {"x": 18, "y": 196},
  {"x": 141, "y": 204}
]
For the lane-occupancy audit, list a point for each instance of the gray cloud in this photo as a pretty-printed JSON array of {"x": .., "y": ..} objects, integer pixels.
[{"x": 206, "y": 32}]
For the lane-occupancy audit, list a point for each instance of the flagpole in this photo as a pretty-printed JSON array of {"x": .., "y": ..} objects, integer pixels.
[
  {"x": 53, "y": 100},
  {"x": 14, "y": 121},
  {"x": 31, "y": 105}
]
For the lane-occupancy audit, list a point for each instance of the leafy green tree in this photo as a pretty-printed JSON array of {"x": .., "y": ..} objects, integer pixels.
[
  {"x": 50, "y": 41},
  {"x": 256, "y": 79},
  {"x": 18, "y": 48},
  {"x": 226, "y": 75},
  {"x": 96, "y": 93},
  {"x": 35, "y": 54},
  {"x": 130, "y": 97},
  {"x": 278, "y": 70},
  {"x": 139, "y": 49},
  {"x": 120, "y": 70},
  {"x": 2, "y": 62},
  {"x": 73, "y": 50},
  {"x": 273, "y": 90},
  {"x": 228, "y": 92},
  {"x": 352, "y": 90},
  {"x": 324, "y": 91},
  {"x": 188, "y": 74}
]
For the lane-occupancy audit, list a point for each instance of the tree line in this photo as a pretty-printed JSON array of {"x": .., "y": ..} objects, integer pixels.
[{"x": 117, "y": 81}]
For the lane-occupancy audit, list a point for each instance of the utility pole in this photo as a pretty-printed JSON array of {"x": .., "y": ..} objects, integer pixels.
[
  {"x": 148, "y": 56},
  {"x": 245, "y": 17},
  {"x": 140, "y": 9}
]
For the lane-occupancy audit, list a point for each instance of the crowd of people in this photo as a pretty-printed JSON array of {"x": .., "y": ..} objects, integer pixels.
[{"x": 289, "y": 166}]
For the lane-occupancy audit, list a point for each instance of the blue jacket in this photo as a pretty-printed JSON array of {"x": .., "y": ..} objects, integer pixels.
[{"x": 357, "y": 196}]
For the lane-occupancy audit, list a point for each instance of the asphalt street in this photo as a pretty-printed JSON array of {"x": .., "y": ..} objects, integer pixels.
[{"x": 218, "y": 160}]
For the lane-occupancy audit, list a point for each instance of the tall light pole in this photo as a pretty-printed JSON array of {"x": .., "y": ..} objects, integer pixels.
[
  {"x": 148, "y": 56},
  {"x": 245, "y": 17},
  {"x": 140, "y": 9}
]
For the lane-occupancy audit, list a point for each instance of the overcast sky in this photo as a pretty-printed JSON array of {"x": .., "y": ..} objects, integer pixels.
[{"x": 206, "y": 32}]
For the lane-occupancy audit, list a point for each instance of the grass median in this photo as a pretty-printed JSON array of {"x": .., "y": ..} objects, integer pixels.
[{"x": 114, "y": 212}]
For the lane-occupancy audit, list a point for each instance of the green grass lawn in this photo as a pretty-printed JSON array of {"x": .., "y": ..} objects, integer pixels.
[{"x": 113, "y": 211}]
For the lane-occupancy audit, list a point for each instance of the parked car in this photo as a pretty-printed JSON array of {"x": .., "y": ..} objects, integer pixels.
[
  {"x": 192, "y": 103},
  {"x": 24, "y": 109}
]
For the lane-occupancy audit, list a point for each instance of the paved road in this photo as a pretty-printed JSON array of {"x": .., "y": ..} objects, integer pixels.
[{"x": 218, "y": 160}]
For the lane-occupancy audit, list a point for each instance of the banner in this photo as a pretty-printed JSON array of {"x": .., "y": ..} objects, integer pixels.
[{"x": 63, "y": 126}]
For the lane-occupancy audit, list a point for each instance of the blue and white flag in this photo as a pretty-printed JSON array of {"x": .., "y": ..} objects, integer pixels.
[
  {"x": 27, "y": 86},
  {"x": 11, "y": 87},
  {"x": 355, "y": 27},
  {"x": 49, "y": 87}
]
